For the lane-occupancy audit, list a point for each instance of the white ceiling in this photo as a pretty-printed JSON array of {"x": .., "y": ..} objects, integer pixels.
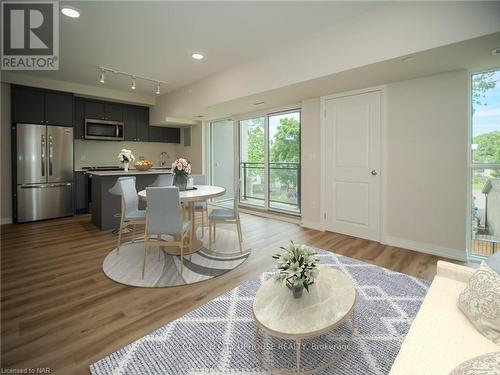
[
  {"x": 156, "y": 39},
  {"x": 472, "y": 55}
]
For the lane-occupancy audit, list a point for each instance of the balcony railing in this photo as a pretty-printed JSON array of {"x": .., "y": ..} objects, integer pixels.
[{"x": 284, "y": 185}]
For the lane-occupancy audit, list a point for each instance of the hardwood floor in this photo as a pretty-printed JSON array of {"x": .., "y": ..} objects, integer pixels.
[{"x": 60, "y": 311}]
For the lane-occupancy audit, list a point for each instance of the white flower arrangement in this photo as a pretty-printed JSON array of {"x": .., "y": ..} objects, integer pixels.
[
  {"x": 298, "y": 265},
  {"x": 126, "y": 156},
  {"x": 181, "y": 166}
]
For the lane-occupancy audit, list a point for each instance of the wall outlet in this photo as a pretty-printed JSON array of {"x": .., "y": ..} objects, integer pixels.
[{"x": 83, "y": 157}]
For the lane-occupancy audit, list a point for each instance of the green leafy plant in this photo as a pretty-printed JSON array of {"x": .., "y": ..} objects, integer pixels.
[{"x": 298, "y": 265}]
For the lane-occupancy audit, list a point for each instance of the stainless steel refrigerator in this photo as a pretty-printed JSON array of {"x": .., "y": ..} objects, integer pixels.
[{"x": 44, "y": 172}]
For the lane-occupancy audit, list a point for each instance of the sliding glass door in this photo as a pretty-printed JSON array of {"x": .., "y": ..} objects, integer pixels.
[
  {"x": 270, "y": 161},
  {"x": 485, "y": 164},
  {"x": 222, "y": 159},
  {"x": 252, "y": 162}
]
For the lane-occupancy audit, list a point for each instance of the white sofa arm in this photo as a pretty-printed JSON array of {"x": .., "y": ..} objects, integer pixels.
[{"x": 454, "y": 271}]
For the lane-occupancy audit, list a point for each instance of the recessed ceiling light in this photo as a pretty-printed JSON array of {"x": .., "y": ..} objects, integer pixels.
[
  {"x": 408, "y": 59},
  {"x": 197, "y": 56},
  {"x": 70, "y": 11}
]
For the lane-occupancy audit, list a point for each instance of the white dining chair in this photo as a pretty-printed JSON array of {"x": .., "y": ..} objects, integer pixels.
[
  {"x": 226, "y": 216},
  {"x": 163, "y": 180},
  {"x": 130, "y": 213},
  {"x": 164, "y": 216},
  {"x": 201, "y": 206}
]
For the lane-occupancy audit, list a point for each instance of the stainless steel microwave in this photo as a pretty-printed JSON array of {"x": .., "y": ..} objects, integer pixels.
[{"x": 103, "y": 130}]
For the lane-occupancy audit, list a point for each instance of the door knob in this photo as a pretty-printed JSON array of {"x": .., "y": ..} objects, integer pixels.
[{"x": 374, "y": 172}]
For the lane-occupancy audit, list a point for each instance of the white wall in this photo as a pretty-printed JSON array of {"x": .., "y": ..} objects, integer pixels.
[
  {"x": 311, "y": 163},
  {"x": 193, "y": 153},
  {"x": 5, "y": 159},
  {"x": 426, "y": 170}
]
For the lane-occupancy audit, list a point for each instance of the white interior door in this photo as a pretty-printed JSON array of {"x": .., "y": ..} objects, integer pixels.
[{"x": 352, "y": 130}]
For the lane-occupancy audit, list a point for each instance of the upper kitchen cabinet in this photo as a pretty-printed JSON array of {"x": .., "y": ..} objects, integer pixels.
[
  {"x": 136, "y": 123},
  {"x": 59, "y": 109},
  {"x": 142, "y": 124},
  {"x": 94, "y": 110},
  {"x": 173, "y": 135},
  {"x": 79, "y": 119},
  {"x": 113, "y": 112},
  {"x": 103, "y": 110},
  {"x": 37, "y": 106},
  {"x": 165, "y": 135}
]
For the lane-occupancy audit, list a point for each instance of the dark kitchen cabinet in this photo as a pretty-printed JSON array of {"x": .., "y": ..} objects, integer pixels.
[
  {"x": 113, "y": 112},
  {"x": 129, "y": 123},
  {"x": 28, "y": 105},
  {"x": 173, "y": 135},
  {"x": 142, "y": 124},
  {"x": 94, "y": 110},
  {"x": 136, "y": 123},
  {"x": 157, "y": 134},
  {"x": 58, "y": 109},
  {"x": 79, "y": 119},
  {"x": 165, "y": 135},
  {"x": 81, "y": 189},
  {"x": 38, "y": 106},
  {"x": 103, "y": 110}
]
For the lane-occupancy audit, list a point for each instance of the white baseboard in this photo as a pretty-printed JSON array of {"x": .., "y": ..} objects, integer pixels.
[
  {"x": 312, "y": 225},
  {"x": 270, "y": 215},
  {"x": 6, "y": 220},
  {"x": 441, "y": 251}
]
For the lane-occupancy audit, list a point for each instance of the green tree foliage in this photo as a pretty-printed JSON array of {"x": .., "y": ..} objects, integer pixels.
[
  {"x": 255, "y": 132},
  {"x": 285, "y": 148},
  {"x": 488, "y": 149},
  {"x": 481, "y": 83}
]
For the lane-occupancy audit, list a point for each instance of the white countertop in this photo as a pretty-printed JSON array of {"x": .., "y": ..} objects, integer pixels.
[{"x": 131, "y": 172}]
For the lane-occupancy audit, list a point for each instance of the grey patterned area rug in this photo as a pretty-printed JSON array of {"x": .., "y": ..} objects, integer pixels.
[
  {"x": 219, "y": 337},
  {"x": 163, "y": 269}
]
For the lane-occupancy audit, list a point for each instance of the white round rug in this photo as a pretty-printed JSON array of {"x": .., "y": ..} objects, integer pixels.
[{"x": 125, "y": 267}]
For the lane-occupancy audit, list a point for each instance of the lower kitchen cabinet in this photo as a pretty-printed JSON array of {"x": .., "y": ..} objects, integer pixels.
[{"x": 81, "y": 191}]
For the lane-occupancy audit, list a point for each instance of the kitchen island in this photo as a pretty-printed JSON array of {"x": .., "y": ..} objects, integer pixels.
[{"x": 106, "y": 207}]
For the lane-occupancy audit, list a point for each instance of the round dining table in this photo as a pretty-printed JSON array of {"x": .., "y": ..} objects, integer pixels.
[{"x": 189, "y": 197}]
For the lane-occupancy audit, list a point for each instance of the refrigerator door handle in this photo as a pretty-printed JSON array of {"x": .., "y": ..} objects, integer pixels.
[
  {"x": 50, "y": 154},
  {"x": 43, "y": 154},
  {"x": 44, "y": 186}
]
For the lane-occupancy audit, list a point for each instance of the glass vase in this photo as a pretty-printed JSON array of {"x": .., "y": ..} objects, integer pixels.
[{"x": 180, "y": 180}]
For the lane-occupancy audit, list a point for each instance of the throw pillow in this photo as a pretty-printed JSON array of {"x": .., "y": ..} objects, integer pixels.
[
  {"x": 480, "y": 302},
  {"x": 486, "y": 364}
]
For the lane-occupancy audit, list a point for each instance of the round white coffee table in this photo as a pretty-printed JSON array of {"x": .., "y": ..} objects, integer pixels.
[{"x": 330, "y": 302}]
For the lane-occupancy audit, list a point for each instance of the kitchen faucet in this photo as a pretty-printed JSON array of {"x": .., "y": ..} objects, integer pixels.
[{"x": 163, "y": 159}]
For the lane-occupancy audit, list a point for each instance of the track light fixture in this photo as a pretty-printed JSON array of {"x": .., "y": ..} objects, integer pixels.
[{"x": 133, "y": 77}]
